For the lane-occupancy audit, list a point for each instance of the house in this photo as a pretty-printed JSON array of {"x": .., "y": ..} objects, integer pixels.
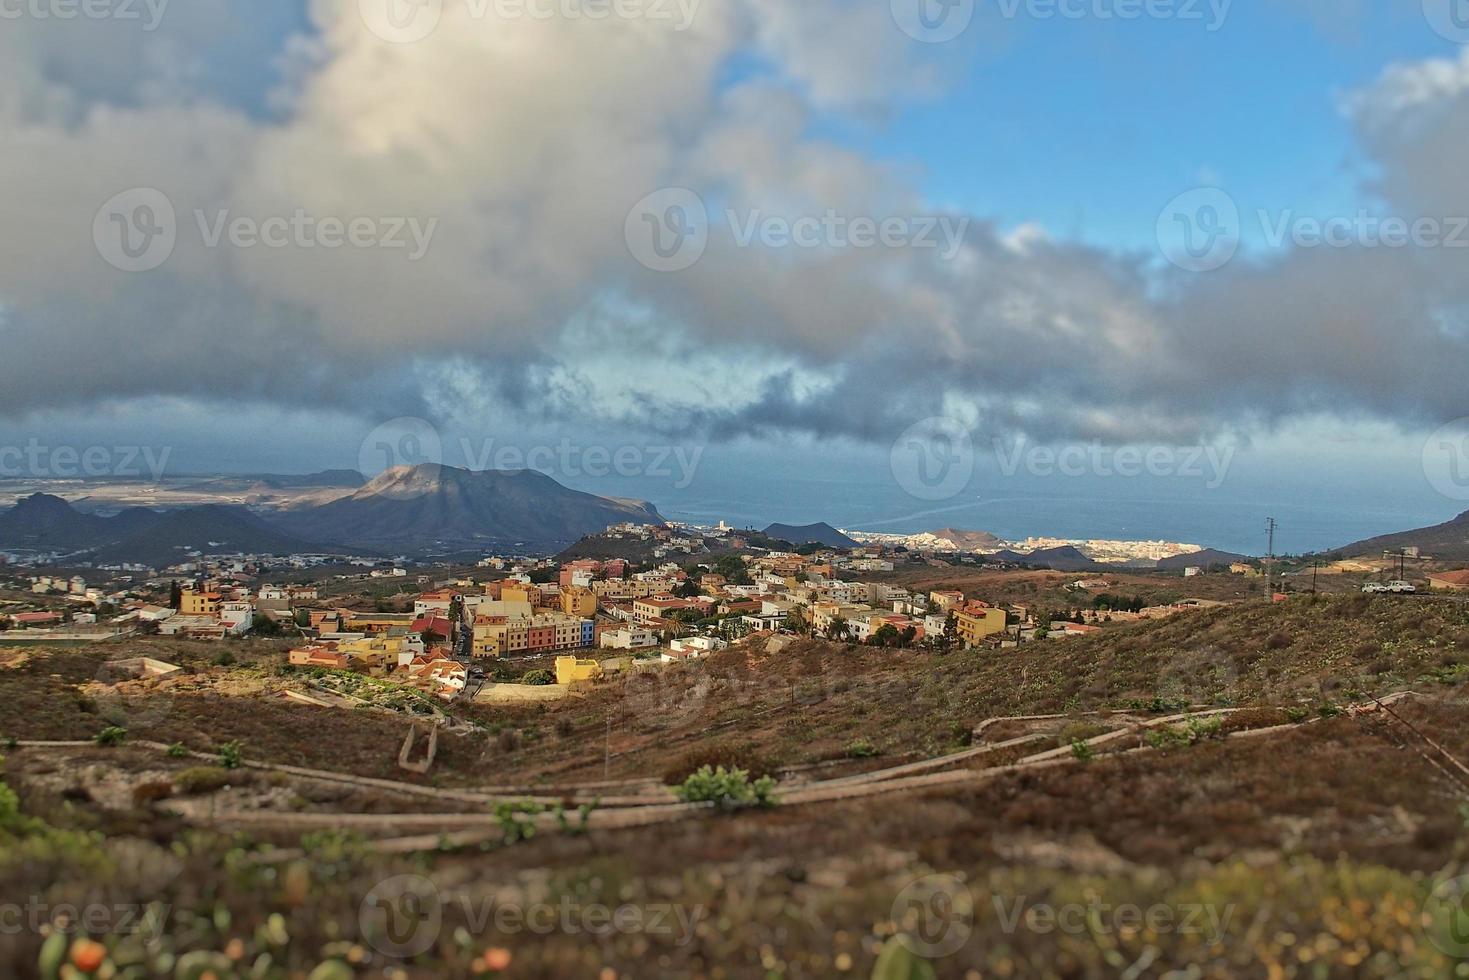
[
  {"x": 699, "y": 646},
  {"x": 236, "y": 617},
  {"x": 317, "y": 656},
  {"x": 628, "y": 638},
  {"x": 977, "y": 621},
  {"x": 36, "y": 619},
  {"x": 432, "y": 626},
  {"x": 1062, "y": 629},
  {"x": 192, "y": 603},
  {"x": 570, "y": 670},
  {"x": 1456, "y": 580}
]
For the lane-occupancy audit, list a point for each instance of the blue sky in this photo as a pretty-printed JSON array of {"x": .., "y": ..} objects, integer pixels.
[{"x": 538, "y": 151}]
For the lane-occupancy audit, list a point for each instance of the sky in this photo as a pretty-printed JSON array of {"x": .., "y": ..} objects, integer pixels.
[{"x": 869, "y": 262}]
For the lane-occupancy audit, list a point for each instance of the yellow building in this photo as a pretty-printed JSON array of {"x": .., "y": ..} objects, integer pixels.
[
  {"x": 570, "y": 670},
  {"x": 193, "y": 603},
  {"x": 580, "y": 602},
  {"x": 974, "y": 624}
]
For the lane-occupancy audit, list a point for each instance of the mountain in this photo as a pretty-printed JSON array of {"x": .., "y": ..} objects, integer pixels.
[
  {"x": 823, "y": 534},
  {"x": 437, "y": 509},
  {"x": 43, "y": 522},
  {"x": 212, "y": 529},
  {"x": 1206, "y": 559},
  {"x": 1448, "y": 541},
  {"x": 969, "y": 540}
]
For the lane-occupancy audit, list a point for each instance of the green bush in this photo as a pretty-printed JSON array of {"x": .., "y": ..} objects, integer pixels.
[
  {"x": 728, "y": 789},
  {"x": 229, "y": 755},
  {"x": 111, "y": 735},
  {"x": 1082, "y": 751},
  {"x": 202, "y": 779},
  {"x": 178, "y": 751},
  {"x": 539, "y": 678},
  {"x": 861, "y": 749}
]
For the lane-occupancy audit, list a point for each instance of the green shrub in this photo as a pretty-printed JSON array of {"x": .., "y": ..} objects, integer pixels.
[
  {"x": 1082, "y": 752},
  {"x": 229, "y": 755},
  {"x": 539, "y": 678},
  {"x": 111, "y": 735},
  {"x": 1297, "y": 714},
  {"x": 728, "y": 789},
  {"x": 861, "y": 749},
  {"x": 178, "y": 751},
  {"x": 202, "y": 779}
]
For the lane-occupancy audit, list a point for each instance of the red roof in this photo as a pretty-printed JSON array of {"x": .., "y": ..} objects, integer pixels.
[{"x": 433, "y": 624}]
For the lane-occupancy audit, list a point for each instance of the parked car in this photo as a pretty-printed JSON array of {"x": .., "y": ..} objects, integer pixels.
[
  {"x": 1401, "y": 587},
  {"x": 1374, "y": 587}
]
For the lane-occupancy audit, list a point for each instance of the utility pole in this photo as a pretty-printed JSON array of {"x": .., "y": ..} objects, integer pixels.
[
  {"x": 1270, "y": 527},
  {"x": 607, "y": 753}
]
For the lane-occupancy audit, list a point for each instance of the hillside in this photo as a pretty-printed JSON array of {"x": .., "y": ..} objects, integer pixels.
[
  {"x": 47, "y": 523},
  {"x": 212, "y": 529},
  {"x": 435, "y": 509},
  {"x": 822, "y": 534},
  {"x": 910, "y": 801},
  {"x": 1448, "y": 541}
]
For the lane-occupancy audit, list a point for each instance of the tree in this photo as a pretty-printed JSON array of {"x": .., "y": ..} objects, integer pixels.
[
  {"x": 175, "y": 595},
  {"x": 951, "y": 630},
  {"x": 838, "y": 629},
  {"x": 886, "y": 636},
  {"x": 687, "y": 589}
]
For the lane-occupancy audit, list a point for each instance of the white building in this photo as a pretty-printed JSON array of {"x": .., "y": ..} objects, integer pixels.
[{"x": 629, "y": 638}]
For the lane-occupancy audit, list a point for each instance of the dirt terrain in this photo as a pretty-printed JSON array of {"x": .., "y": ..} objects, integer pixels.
[{"x": 1230, "y": 773}]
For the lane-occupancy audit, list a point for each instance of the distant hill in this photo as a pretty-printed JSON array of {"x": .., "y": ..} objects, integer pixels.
[
  {"x": 212, "y": 529},
  {"x": 822, "y": 534},
  {"x": 1206, "y": 559},
  {"x": 435, "y": 509},
  {"x": 1065, "y": 558},
  {"x": 325, "y": 480},
  {"x": 969, "y": 540},
  {"x": 1448, "y": 541},
  {"x": 43, "y": 522}
]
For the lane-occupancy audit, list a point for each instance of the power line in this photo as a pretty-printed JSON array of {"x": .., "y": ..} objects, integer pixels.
[{"x": 1270, "y": 528}]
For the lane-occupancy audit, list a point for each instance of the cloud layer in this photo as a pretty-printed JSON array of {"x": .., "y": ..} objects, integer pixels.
[{"x": 524, "y": 142}]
